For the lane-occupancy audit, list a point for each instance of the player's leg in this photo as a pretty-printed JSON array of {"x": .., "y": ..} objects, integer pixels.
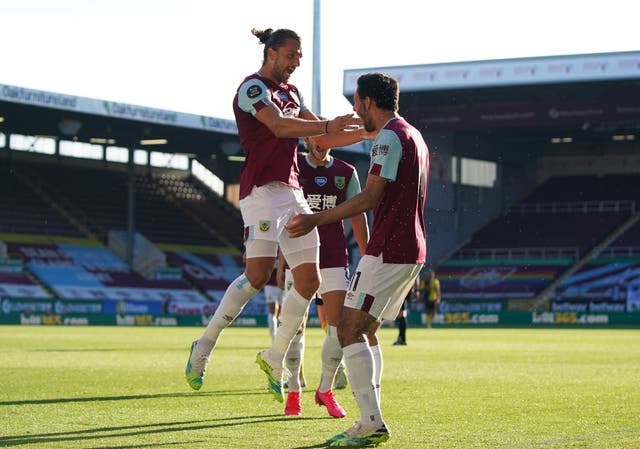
[
  {"x": 262, "y": 231},
  {"x": 401, "y": 323},
  {"x": 302, "y": 256},
  {"x": 375, "y": 293},
  {"x": 293, "y": 362},
  {"x": 322, "y": 317},
  {"x": 271, "y": 293},
  {"x": 239, "y": 292},
  {"x": 332, "y": 289},
  {"x": 294, "y": 309},
  {"x": 430, "y": 312},
  {"x": 378, "y": 360}
]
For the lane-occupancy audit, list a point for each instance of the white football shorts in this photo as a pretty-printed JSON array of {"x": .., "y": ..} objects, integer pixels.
[
  {"x": 332, "y": 279},
  {"x": 268, "y": 209},
  {"x": 380, "y": 288}
]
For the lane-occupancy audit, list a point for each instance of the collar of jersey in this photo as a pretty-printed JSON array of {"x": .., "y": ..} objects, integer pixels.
[{"x": 328, "y": 165}]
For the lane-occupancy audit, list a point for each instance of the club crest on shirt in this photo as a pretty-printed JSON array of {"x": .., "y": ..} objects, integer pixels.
[
  {"x": 339, "y": 182},
  {"x": 283, "y": 96},
  {"x": 254, "y": 91},
  {"x": 264, "y": 225},
  {"x": 321, "y": 180}
]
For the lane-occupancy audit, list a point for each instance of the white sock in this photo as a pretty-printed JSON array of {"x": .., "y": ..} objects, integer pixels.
[
  {"x": 331, "y": 358},
  {"x": 378, "y": 364},
  {"x": 293, "y": 360},
  {"x": 239, "y": 292},
  {"x": 294, "y": 308},
  {"x": 272, "y": 321},
  {"x": 359, "y": 361}
]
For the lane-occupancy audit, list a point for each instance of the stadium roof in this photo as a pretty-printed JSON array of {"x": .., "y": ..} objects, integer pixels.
[
  {"x": 34, "y": 112},
  {"x": 521, "y": 99}
]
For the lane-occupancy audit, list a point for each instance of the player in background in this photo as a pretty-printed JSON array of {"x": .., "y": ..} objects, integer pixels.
[
  {"x": 327, "y": 182},
  {"x": 273, "y": 295}
]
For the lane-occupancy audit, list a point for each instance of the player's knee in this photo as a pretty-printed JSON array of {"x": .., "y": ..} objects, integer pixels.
[
  {"x": 307, "y": 282},
  {"x": 309, "y": 287},
  {"x": 257, "y": 278},
  {"x": 350, "y": 329}
]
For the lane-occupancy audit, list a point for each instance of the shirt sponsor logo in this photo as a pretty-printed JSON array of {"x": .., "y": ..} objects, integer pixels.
[
  {"x": 380, "y": 149},
  {"x": 321, "y": 180}
]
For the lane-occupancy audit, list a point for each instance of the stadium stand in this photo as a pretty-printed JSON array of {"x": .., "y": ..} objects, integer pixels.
[
  {"x": 498, "y": 279},
  {"x": 65, "y": 203},
  {"x": 87, "y": 272},
  {"x": 212, "y": 273},
  {"x": 522, "y": 252},
  {"x": 15, "y": 283},
  {"x": 24, "y": 211},
  {"x": 98, "y": 198},
  {"x": 198, "y": 202},
  {"x": 601, "y": 279}
]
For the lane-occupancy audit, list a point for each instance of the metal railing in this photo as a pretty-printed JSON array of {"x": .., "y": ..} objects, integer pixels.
[
  {"x": 574, "y": 207},
  {"x": 519, "y": 253},
  {"x": 620, "y": 251}
]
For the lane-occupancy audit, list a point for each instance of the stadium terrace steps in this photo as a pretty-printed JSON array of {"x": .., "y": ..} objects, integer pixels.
[
  {"x": 94, "y": 272},
  {"x": 24, "y": 211},
  {"x": 585, "y": 213},
  {"x": 98, "y": 199},
  {"x": 86, "y": 270}
]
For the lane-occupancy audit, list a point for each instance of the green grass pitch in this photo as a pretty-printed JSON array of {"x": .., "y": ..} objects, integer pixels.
[{"x": 117, "y": 387}]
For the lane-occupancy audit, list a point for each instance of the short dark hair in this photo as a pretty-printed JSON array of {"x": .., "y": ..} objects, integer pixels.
[
  {"x": 274, "y": 39},
  {"x": 381, "y": 88}
]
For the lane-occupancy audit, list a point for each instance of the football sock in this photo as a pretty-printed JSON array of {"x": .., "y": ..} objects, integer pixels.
[
  {"x": 401, "y": 322},
  {"x": 294, "y": 308},
  {"x": 239, "y": 292},
  {"x": 331, "y": 358},
  {"x": 359, "y": 361},
  {"x": 378, "y": 364},
  {"x": 272, "y": 321},
  {"x": 293, "y": 361}
]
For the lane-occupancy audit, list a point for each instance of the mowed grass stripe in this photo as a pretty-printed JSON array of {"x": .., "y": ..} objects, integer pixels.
[{"x": 123, "y": 387}]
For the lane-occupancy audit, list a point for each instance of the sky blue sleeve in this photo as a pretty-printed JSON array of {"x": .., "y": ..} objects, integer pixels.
[
  {"x": 386, "y": 153},
  {"x": 353, "y": 188},
  {"x": 303, "y": 106},
  {"x": 251, "y": 92}
]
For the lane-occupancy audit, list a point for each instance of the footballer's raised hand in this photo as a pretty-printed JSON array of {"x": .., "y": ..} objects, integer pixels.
[{"x": 344, "y": 123}]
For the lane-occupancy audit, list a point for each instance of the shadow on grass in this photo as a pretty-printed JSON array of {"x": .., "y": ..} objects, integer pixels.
[
  {"x": 141, "y": 430},
  {"x": 136, "y": 446},
  {"x": 129, "y": 397}
]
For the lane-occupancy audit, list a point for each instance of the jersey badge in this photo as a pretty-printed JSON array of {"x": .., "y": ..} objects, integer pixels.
[
  {"x": 264, "y": 225},
  {"x": 339, "y": 182},
  {"x": 283, "y": 96},
  {"x": 254, "y": 91}
]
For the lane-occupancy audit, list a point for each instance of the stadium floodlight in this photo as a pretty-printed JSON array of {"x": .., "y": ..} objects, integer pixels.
[{"x": 1, "y": 119}]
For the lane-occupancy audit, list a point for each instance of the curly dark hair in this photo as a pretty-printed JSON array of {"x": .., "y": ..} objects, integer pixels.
[{"x": 381, "y": 88}]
